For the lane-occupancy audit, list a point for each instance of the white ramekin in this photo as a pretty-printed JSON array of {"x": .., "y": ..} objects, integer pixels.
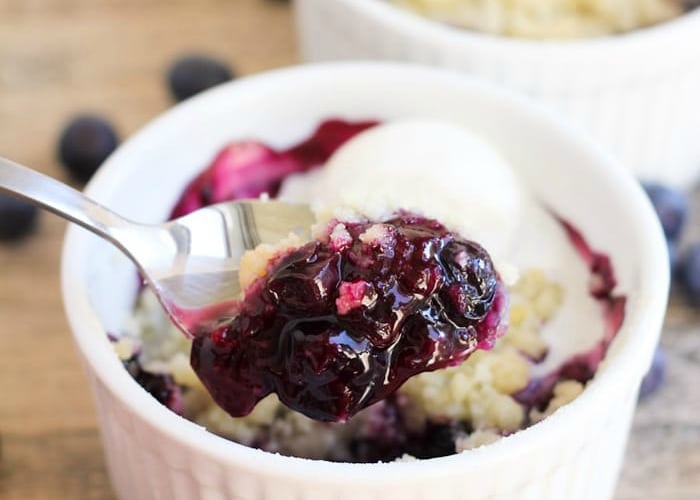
[
  {"x": 575, "y": 454},
  {"x": 637, "y": 93}
]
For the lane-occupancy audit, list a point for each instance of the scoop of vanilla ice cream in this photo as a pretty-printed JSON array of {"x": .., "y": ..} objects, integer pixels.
[
  {"x": 446, "y": 172},
  {"x": 437, "y": 169}
]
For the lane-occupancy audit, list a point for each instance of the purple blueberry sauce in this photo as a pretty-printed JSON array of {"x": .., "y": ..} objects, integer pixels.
[
  {"x": 582, "y": 367},
  {"x": 386, "y": 436},
  {"x": 341, "y": 323},
  {"x": 247, "y": 169}
]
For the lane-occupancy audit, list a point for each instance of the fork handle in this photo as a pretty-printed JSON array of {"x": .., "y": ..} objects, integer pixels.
[{"x": 61, "y": 199}]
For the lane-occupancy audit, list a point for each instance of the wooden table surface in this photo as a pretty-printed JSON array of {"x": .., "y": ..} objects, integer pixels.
[{"x": 60, "y": 57}]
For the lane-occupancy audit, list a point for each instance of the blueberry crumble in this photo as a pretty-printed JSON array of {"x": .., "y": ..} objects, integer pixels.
[{"x": 384, "y": 338}]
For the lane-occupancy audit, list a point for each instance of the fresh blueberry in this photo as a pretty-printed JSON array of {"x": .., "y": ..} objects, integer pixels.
[
  {"x": 689, "y": 273},
  {"x": 656, "y": 374},
  {"x": 193, "y": 74},
  {"x": 671, "y": 206},
  {"x": 689, "y": 5},
  {"x": 85, "y": 143},
  {"x": 673, "y": 257},
  {"x": 17, "y": 218}
]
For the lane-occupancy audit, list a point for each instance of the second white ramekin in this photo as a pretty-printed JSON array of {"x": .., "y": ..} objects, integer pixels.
[
  {"x": 575, "y": 454},
  {"x": 638, "y": 93}
]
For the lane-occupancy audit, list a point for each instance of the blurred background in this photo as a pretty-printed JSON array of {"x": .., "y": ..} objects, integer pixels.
[{"x": 114, "y": 58}]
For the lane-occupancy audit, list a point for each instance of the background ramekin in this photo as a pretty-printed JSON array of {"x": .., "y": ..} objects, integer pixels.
[
  {"x": 576, "y": 454},
  {"x": 638, "y": 93}
]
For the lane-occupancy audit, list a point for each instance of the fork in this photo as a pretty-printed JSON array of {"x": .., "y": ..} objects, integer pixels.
[{"x": 191, "y": 263}]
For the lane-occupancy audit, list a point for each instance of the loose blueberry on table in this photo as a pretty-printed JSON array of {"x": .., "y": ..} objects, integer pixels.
[
  {"x": 17, "y": 218},
  {"x": 689, "y": 273},
  {"x": 193, "y": 74},
  {"x": 671, "y": 206},
  {"x": 85, "y": 144},
  {"x": 654, "y": 378}
]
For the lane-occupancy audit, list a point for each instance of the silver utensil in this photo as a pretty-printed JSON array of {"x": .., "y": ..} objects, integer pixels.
[{"x": 191, "y": 263}]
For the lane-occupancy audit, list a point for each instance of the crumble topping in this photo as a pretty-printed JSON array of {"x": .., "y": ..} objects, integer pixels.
[{"x": 479, "y": 393}]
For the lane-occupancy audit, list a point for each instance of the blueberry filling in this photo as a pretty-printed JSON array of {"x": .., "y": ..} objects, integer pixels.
[
  {"x": 340, "y": 324},
  {"x": 195, "y": 73},
  {"x": 247, "y": 169},
  {"x": 656, "y": 375},
  {"x": 671, "y": 207},
  {"x": 160, "y": 386},
  {"x": 389, "y": 438}
]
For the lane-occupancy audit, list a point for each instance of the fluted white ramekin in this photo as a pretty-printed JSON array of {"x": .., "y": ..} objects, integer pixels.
[
  {"x": 575, "y": 454},
  {"x": 638, "y": 93}
]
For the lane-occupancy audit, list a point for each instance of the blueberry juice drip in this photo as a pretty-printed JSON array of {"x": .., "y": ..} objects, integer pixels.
[
  {"x": 340, "y": 324},
  {"x": 582, "y": 367},
  {"x": 248, "y": 169}
]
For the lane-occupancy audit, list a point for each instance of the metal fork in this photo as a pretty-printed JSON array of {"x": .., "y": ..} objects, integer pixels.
[{"x": 191, "y": 263}]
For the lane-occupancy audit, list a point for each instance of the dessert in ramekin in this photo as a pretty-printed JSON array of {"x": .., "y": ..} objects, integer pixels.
[
  {"x": 389, "y": 335},
  {"x": 634, "y": 91},
  {"x": 574, "y": 453}
]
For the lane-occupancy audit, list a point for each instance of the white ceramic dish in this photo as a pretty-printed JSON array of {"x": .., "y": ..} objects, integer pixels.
[
  {"x": 575, "y": 454},
  {"x": 637, "y": 93}
]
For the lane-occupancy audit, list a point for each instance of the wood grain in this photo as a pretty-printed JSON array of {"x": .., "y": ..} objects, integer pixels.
[{"x": 60, "y": 57}]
